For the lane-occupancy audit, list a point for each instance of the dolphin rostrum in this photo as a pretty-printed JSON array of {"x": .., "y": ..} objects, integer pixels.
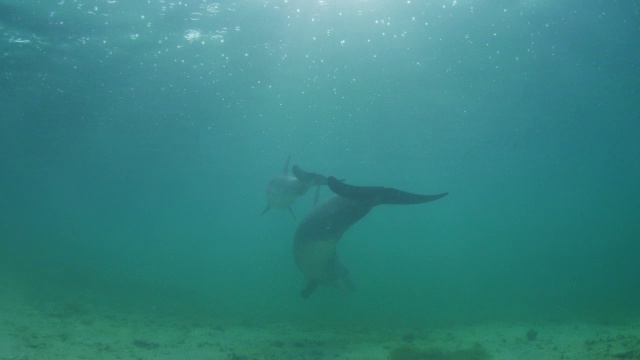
[
  {"x": 315, "y": 241},
  {"x": 284, "y": 189}
]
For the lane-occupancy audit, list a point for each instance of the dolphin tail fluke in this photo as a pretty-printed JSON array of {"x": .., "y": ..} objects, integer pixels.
[
  {"x": 308, "y": 290},
  {"x": 266, "y": 209},
  {"x": 308, "y": 177},
  {"x": 378, "y": 195}
]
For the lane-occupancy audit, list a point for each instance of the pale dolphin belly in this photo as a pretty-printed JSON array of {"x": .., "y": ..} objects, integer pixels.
[{"x": 283, "y": 190}]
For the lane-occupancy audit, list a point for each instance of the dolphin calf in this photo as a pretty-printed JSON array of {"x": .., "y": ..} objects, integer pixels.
[
  {"x": 284, "y": 189},
  {"x": 315, "y": 241}
]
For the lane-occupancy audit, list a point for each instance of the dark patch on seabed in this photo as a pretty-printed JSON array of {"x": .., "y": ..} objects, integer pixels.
[
  {"x": 618, "y": 347},
  {"x": 477, "y": 352}
]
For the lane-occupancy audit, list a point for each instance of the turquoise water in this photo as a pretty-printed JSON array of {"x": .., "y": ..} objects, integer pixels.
[{"x": 137, "y": 140}]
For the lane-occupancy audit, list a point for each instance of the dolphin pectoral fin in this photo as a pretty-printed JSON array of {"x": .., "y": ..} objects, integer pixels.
[
  {"x": 266, "y": 209},
  {"x": 308, "y": 290},
  {"x": 292, "y": 213},
  {"x": 377, "y": 195},
  {"x": 286, "y": 166}
]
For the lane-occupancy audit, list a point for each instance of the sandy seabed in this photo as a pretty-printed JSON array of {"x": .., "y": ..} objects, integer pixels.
[{"x": 41, "y": 332}]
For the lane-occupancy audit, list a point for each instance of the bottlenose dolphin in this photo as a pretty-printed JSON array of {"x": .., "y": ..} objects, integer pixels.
[
  {"x": 284, "y": 189},
  {"x": 315, "y": 241}
]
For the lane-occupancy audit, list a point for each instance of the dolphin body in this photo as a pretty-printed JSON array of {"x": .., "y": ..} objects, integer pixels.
[
  {"x": 284, "y": 189},
  {"x": 315, "y": 241}
]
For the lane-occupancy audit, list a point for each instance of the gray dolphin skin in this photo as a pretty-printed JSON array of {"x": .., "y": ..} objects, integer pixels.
[
  {"x": 284, "y": 189},
  {"x": 315, "y": 241}
]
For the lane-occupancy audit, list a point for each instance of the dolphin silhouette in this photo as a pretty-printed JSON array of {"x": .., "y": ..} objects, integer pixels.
[
  {"x": 317, "y": 235},
  {"x": 284, "y": 189}
]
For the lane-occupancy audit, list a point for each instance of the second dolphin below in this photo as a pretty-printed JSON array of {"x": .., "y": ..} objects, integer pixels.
[{"x": 315, "y": 241}]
